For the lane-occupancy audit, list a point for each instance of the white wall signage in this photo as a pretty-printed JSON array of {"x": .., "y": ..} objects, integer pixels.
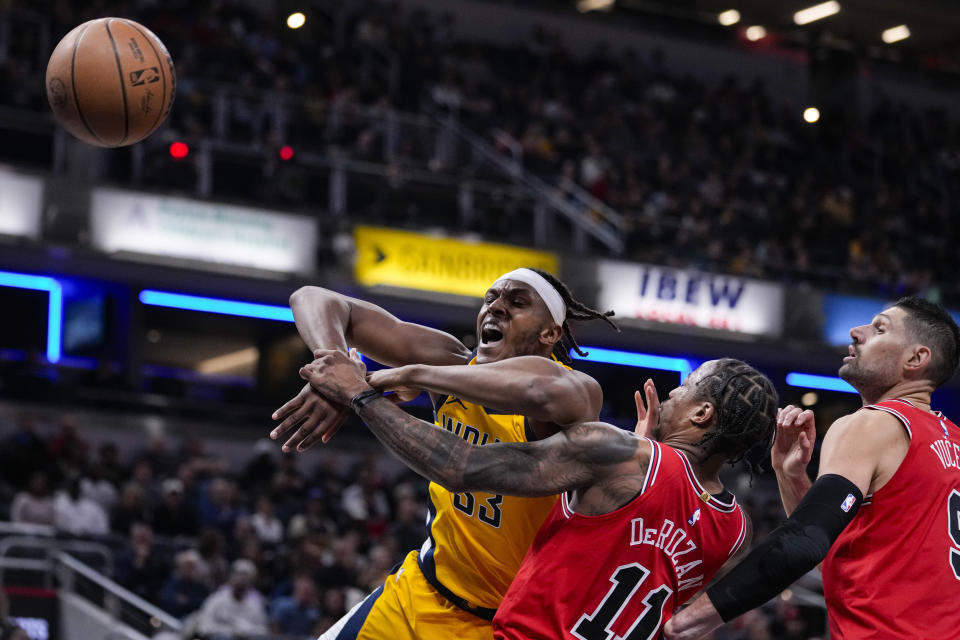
[
  {"x": 694, "y": 298},
  {"x": 206, "y": 231}
]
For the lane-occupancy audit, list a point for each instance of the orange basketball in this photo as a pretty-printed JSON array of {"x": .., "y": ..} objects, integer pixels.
[{"x": 110, "y": 82}]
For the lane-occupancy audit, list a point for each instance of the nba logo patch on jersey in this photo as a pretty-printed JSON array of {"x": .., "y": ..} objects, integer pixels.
[
  {"x": 692, "y": 520},
  {"x": 848, "y": 503}
]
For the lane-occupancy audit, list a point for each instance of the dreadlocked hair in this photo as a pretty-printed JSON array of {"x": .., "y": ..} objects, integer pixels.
[
  {"x": 745, "y": 413},
  {"x": 576, "y": 310}
]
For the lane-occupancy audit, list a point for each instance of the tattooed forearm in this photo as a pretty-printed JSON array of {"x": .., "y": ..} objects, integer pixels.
[
  {"x": 436, "y": 454},
  {"x": 568, "y": 460}
]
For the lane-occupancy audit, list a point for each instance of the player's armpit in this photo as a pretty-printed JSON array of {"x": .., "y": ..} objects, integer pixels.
[{"x": 865, "y": 447}]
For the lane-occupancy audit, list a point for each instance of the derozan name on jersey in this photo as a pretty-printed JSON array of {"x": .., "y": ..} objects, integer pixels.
[{"x": 674, "y": 542}]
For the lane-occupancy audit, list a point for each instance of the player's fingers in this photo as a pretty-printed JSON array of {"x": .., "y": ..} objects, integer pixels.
[
  {"x": 789, "y": 416},
  {"x": 323, "y": 432},
  {"x": 641, "y": 410},
  {"x": 290, "y": 405},
  {"x": 653, "y": 403},
  {"x": 332, "y": 432},
  {"x": 291, "y": 421},
  {"x": 305, "y": 430},
  {"x": 805, "y": 417}
]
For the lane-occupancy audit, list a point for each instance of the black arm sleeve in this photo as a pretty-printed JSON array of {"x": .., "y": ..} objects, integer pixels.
[{"x": 795, "y": 547}]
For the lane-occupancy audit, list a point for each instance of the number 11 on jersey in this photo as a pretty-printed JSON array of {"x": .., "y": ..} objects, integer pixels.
[{"x": 626, "y": 582}]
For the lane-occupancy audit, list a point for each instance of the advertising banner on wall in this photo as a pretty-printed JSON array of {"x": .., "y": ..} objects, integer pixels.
[
  {"x": 447, "y": 265},
  {"x": 21, "y": 197},
  {"x": 692, "y": 298},
  {"x": 205, "y": 231}
]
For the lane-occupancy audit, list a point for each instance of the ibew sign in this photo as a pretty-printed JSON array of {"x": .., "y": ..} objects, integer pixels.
[{"x": 693, "y": 298}]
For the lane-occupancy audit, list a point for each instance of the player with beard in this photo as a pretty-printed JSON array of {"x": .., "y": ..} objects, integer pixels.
[
  {"x": 643, "y": 525},
  {"x": 884, "y": 513},
  {"x": 526, "y": 390}
]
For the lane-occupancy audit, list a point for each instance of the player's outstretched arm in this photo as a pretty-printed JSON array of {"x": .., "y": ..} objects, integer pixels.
[
  {"x": 533, "y": 386},
  {"x": 575, "y": 458},
  {"x": 858, "y": 450},
  {"x": 791, "y": 452},
  {"x": 330, "y": 320}
]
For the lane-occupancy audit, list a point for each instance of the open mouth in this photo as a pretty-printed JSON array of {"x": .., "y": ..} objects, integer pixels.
[{"x": 490, "y": 334}]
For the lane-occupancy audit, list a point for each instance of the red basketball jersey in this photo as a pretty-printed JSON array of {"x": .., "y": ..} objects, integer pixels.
[
  {"x": 894, "y": 572},
  {"x": 624, "y": 572}
]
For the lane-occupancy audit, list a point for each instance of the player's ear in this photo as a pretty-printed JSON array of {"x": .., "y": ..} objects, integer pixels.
[
  {"x": 918, "y": 358},
  {"x": 701, "y": 414},
  {"x": 551, "y": 334}
]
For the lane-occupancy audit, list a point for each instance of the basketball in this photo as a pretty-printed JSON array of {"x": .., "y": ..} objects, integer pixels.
[{"x": 110, "y": 82}]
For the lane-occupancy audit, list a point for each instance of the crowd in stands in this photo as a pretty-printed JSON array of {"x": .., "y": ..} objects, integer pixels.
[
  {"x": 267, "y": 549},
  {"x": 257, "y": 547},
  {"x": 720, "y": 175}
]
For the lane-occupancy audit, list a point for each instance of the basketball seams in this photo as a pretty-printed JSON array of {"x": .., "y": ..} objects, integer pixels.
[
  {"x": 123, "y": 86},
  {"x": 162, "y": 111},
  {"x": 73, "y": 82}
]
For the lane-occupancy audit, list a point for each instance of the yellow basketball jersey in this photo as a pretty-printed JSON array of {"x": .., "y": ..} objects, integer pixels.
[{"x": 477, "y": 540}]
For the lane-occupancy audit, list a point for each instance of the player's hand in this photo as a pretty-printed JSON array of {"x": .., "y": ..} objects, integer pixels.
[
  {"x": 793, "y": 442},
  {"x": 393, "y": 381},
  {"x": 694, "y": 621},
  {"x": 336, "y": 375},
  {"x": 648, "y": 417},
  {"x": 318, "y": 419}
]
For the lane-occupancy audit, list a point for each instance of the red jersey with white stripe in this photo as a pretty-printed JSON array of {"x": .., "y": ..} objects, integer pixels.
[
  {"x": 624, "y": 572},
  {"x": 894, "y": 572}
]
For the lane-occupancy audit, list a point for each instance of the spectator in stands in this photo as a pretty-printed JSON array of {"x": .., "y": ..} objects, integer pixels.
[
  {"x": 157, "y": 454},
  {"x": 236, "y": 610},
  {"x": 97, "y": 487},
  {"x": 173, "y": 517},
  {"x": 108, "y": 459},
  {"x": 406, "y": 528},
  {"x": 314, "y": 519},
  {"x": 268, "y": 527},
  {"x": 69, "y": 448},
  {"x": 23, "y": 452},
  {"x": 216, "y": 506},
  {"x": 365, "y": 501},
  {"x": 130, "y": 508},
  {"x": 288, "y": 480},
  {"x": 259, "y": 471},
  {"x": 141, "y": 566},
  {"x": 213, "y": 563},
  {"x": 298, "y": 613},
  {"x": 78, "y": 515},
  {"x": 34, "y": 505},
  {"x": 184, "y": 592}
]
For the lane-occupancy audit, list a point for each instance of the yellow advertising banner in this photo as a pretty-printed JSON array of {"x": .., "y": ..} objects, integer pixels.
[{"x": 418, "y": 261}]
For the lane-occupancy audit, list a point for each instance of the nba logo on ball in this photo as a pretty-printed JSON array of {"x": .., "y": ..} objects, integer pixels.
[
  {"x": 848, "y": 503},
  {"x": 145, "y": 76}
]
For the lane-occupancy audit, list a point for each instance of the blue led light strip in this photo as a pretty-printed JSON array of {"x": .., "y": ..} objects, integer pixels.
[
  {"x": 54, "y": 305},
  {"x": 825, "y": 383},
  {"x": 216, "y": 305},
  {"x": 634, "y": 359}
]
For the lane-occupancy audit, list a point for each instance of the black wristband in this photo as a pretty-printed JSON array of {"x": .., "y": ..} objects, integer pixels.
[{"x": 363, "y": 398}]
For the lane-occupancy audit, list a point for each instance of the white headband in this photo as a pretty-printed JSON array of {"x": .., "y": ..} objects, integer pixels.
[{"x": 546, "y": 291}]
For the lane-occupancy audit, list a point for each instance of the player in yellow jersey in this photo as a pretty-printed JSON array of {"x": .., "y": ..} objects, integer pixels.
[{"x": 451, "y": 587}]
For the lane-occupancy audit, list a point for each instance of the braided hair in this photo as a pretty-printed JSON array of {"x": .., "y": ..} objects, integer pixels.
[
  {"x": 745, "y": 412},
  {"x": 576, "y": 310}
]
